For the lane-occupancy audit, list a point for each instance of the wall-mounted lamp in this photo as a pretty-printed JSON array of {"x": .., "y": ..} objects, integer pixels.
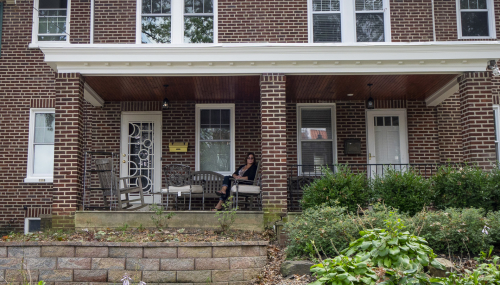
[
  {"x": 166, "y": 103},
  {"x": 492, "y": 65},
  {"x": 370, "y": 104}
]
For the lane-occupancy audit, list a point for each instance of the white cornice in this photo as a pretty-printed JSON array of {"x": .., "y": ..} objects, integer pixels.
[{"x": 367, "y": 58}]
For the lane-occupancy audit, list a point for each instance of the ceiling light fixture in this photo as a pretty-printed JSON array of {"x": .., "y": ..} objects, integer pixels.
[
  {"x": 166, "y": 103},
  {"x": 370, "y": 104}
]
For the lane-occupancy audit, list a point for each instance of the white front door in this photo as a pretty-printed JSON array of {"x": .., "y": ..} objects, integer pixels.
[
  {"x": 387, "y": 140},
  {"x": 141, "y": 150}
]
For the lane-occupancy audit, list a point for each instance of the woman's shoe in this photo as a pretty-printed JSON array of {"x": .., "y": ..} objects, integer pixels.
[{"x": 219, "y": 193}]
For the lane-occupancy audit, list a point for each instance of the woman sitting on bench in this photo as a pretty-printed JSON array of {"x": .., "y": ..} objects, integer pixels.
[{"x": 245, "y": 172}]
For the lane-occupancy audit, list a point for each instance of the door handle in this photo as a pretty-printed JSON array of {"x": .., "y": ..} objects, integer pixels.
[{"x": 370, "y": 156}]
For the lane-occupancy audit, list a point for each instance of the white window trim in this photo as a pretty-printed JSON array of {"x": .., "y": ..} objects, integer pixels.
[
  {"x": 26, "y": 224},
  {"x": 333, "y": 108},
  {"x": 34, "y": 32},
  {"x": 491, "y": 24},
  {"x": 348, "y": 21},
  {"x": 497, "y": 122},
  {"x": 177, "y": 20},
  {"x": 30, "y": 177},
  {"x": 230, "y": 107}
]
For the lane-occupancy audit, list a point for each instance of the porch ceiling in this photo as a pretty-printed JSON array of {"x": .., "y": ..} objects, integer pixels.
[{"x": 246, "y": 88}]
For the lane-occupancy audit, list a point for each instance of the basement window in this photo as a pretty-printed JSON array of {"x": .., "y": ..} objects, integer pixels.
[{"x": 32, "y": 225}]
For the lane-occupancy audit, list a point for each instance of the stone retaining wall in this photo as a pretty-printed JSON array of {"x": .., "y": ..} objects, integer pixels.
[{"x": 87, "y": 263}]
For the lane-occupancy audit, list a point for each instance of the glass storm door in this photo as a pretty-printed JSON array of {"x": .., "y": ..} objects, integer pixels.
[
  {"x": 141, "y": 151},
  {"x": 387, "y": 140}
]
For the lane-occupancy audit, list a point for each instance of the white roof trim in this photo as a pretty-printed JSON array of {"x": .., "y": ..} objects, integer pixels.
[
  {"x": 92, "y": 97},
  {"x": 442, "y": 94},
  {"x": 365, "y": 58}
]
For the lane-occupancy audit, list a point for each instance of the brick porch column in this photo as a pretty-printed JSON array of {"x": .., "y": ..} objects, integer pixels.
[
  {"x": 476, "y": 108},
  {"x": 273, "y": 133},
  {"x": 68, "y": 163}
]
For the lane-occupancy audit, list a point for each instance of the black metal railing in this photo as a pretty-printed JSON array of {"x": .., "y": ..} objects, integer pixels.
[{"x": 300, "y": 176}]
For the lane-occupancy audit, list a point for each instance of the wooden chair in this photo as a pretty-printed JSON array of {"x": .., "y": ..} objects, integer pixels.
[
  {"x": 179, "y": 181},
  {"x": 110, "y": 184},
  {"x": 211, "y": 182},
  {"x": 240, "y": 188}
]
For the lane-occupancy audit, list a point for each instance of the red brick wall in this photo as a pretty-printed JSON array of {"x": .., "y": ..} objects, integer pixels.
[
  {"x": 450, "y": 130},
  {"x": 276, "y": 21},
  {"x": 411, "y": 20},
  {"x": 351, "y": 124},
  {"x": 476, "y": 107},
  {"x": 423, "y": 145},
  {"x": 291, "y": 133},
  {"x": 80, "y": 22},
  {"x": 114, "y": 21}
]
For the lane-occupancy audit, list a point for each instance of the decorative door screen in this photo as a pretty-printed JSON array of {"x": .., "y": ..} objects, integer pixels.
[{"x": 141, "y": 153}]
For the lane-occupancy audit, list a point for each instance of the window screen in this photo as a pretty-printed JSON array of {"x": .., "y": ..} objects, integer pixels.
[
  {"x": 156, "y": 21},
  {"x": 215, "y": 140},
  {"x": 369, "y": 21},
  {"x": 316, "y": 136},
  {"x": 326, "y": 21},
  {"x": 34, "y": 226}
]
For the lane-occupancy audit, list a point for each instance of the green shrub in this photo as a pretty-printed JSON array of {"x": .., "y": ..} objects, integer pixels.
[
  {"x": 465, "y": 187},
  {"x": 404, "y": 190},
  {"x": 343, "y": 186},
  {"x": 326, "y": 226},
  {"x": 493, "y": 227},
  {"x": 455, "y": 230}
]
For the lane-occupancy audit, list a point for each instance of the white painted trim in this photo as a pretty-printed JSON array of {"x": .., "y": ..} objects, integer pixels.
[
  {"x": 491, "y": 17},
  {"x": 231, "y": 107},
  {"x": 443, "y": 93},
  {"x": 403, "y": 132},
  {"x": 333, "y": 108},
  {"x": 138, "y": 21},
  {"x": 92, "y": 97},
  {"x": 156, "y": 117},
  {"x": 26, "y": 224},
  {"x": 34, "y": 32},
  {"x": 496, "y": 108},
  {"x": 359, "y": 58},
  {"x": 30, "y": 177}
]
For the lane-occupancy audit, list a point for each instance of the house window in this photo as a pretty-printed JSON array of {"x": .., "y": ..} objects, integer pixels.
[
  {"x": 349, "y": 21},
  {"x": 475, "y": 19},
  {"x": 215, "y": 149},
  {"x": 32, "y": 225},
  {"x": 50, "y": 21},
  {"x": 316, "y": 136},
  {"x": 496, "y": 111},
  {"x": 177, "y": 21},
  {"x": 41, "y": 146}
]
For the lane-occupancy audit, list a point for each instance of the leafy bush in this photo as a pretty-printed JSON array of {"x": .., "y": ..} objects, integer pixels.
[
  {"x": 455, "y": 230},
  {"x": 405, "y": 190},
  {"x": 343, "y": 270},
  {"x": 466, "y": 187},
  {"x": 343, "y": 186},
  {"x": 492, "y": 228},
  {"x": 326, "y": 226}
]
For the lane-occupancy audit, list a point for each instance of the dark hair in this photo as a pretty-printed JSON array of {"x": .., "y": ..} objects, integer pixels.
[{"x": 254, "y": 158}]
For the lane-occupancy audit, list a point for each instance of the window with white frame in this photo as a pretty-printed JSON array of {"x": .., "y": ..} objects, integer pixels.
[
  {"x": 32, "y": 225},
  {"x": 496, "y": 111},
  {"x": 349, "y": 21},
  {"x": 177, "y": 21},
  {"x": 50, "y": 21},
  {"x": 215, "y": 149},
  {"x": 41, "y": 145},
  {"x": 316, "y": 136},
  {"x": 475, "y": 19}
]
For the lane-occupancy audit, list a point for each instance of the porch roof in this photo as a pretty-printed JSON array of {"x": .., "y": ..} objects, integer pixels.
[{"x": 290, "y": 59}]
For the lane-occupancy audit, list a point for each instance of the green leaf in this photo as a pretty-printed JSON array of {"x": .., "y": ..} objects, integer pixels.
[
  {"x": 365, "y": 245},
  {"x": 437, "y": 264},
  {"x": 387, "y": 262},
  {"x": 394, "y": 251},
  {"x": 404, "y": 248},
  {"x": 384, "y": 252},
  {"x": 342, "y": 276}
]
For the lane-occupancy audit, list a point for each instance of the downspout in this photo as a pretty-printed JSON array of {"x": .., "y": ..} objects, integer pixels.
[
  {"x": 433, "y": 22},
  {"x": 92, "y": 21}
]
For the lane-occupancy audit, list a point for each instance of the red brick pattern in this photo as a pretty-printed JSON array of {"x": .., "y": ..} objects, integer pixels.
[
  {"x": 68, "y": 156},
  {"x": 273, "y": 124},
  {"x": 114, "y": 22},
  {"x": 351, "y": 124},
  {"x": 276, "y": 21},
  {"x": 291, "y": 133},
  {"x": 80, "y": 22},
  {"x": 450, "y": 130},
  {"x": 411, "y": 20},
  {"x": 423, "y": 146},
  {"x": 476, "y": 107}
]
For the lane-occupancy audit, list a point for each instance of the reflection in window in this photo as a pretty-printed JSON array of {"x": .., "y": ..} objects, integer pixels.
[
  {"x": 156, "y": 21},
  {"x": 52, "y": 20},
  {"x": 215, "y": 140},
  {"x": 198, "y": 21},
  {"x": 369, "y": 21},
  {"x": 43, "y": 144},
  {"x": 474, "y": 18},
  {"x": 326, "y": 21}
]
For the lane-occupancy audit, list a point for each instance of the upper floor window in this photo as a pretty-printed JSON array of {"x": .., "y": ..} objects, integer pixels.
[
  {"x": 177, "y": 21},
  {"x": 41, "y": 146},
  {"x": 50, "y": 21},
  {"x": 476, "y": 19},
  {"x": 345, "y": 21}
]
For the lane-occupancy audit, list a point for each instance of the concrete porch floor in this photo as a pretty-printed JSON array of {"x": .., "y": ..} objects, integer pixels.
[{"x": 245, "y": 220}]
